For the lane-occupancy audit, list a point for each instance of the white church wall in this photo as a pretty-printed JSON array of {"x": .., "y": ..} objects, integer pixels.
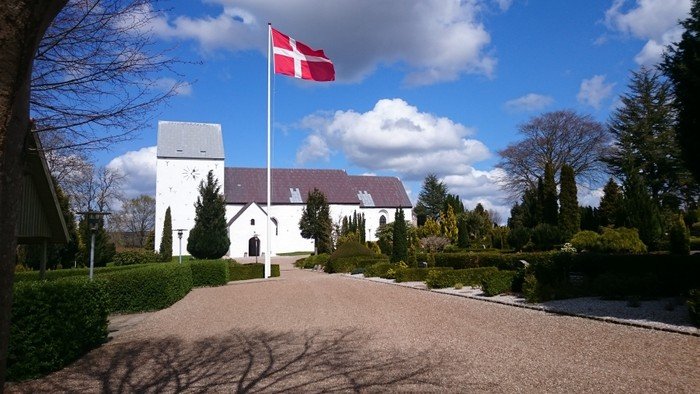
[
  {"x": 250, "y": 222},
  {"x": 177, "y": 186}
]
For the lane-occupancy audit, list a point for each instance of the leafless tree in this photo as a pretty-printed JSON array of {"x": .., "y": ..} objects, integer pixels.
[
  {"x": 561, "y": 137},
  {"x": 135, "y": 220},
  {"x": 91, "y": 187},
  {"x": 97, "y": 75}
]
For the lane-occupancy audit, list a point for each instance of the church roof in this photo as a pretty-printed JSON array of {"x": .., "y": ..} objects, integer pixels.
[
  {"x": 190, "y": 140},
  {"x": 292, "y": 186}
]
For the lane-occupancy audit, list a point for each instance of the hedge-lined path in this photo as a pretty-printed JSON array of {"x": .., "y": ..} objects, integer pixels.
[{"x": 312, "y": 332}]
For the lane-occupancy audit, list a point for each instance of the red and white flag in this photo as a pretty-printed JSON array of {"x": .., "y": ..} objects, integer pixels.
[{"x": 297, "y": 60}]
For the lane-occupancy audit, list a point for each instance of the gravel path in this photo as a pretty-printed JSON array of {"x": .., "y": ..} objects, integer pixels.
[{"x": 312, "y": 332}]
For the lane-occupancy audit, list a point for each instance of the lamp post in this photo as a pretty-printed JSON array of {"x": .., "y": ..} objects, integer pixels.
[
  {"x": 257, "y": 246},
  {"x": 179, "y": 240},
  {"x": 93, "y": 220}
]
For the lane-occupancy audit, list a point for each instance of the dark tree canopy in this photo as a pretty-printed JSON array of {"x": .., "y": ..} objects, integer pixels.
[
  {"x": 399, "y": 250},
  {"x": 682, "y": 66},
  {"x": 166, "y": 242},
  {"x": 208, "y": 238},
  {"x": 453, "y": 200},
  {"x": 640, "y": 211},
  {"x": 611, "y": 211},
  {"x": 550, "y": 208},
  {"x": 431, "y": 200},
  {"x": 569, "y": 214},
  {"x": 557, "y": 138},
  {"x": 316, "y": 223}
]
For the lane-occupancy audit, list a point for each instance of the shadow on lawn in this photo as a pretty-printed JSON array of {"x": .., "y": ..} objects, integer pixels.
[{"x": 248, "y": 361}]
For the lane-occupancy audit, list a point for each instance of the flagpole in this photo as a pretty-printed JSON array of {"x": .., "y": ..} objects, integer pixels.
[{"x": 267, "y": 222}]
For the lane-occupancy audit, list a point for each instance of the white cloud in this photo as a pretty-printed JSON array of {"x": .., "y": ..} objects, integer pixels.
[
  {"x": 395, "y": 136},
  {"x": 168, "y": 84},
  {"x": 314, "y": 148},
  {"x": 529, "y": 102},
  {"x": 437, "y": 40},
  {"x": 139, "y": 169},
  {"x": 589, "y": 197},
  {"x": 594, "y": 90},
  {"x": 504, "y": 5},
  {"x": 476, "y": 186},
  {"x": 655, "y": 21}
]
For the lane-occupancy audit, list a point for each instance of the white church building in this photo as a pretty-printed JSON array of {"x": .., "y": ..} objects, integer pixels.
[{"x": 186, "y": 153}]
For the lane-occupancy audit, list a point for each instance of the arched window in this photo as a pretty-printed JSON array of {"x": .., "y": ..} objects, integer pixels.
[
  {"x": 277, "y": 227},
  {"x": 382, "y": 220},
  {"x": 252, "y": 222}
]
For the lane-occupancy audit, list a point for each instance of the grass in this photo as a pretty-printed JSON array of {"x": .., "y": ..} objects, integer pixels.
[{"x": 300, "y": 253}]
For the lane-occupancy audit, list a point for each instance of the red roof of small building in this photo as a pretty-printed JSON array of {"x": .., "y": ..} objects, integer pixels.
[{"x": 292, "y": 186}]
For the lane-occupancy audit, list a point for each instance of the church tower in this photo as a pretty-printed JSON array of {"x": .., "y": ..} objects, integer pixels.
[{"x": 186, "y": 154}]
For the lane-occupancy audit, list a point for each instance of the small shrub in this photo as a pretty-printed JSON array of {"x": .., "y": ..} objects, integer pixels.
[
  {"x": 416, "y": 274},
  {"x": 545, "y": 236},
  {"x": 312, "y": 261},
  {"x": 131, "y": 257},
  {"x": 585, "y": 240},
  {"x": 378, "y": 269},
  {"x": 530, "y": 289},
  {"x": 694, "y": 306},
  {"x": 498, "y": 283},
  {"x": 459, "y": 286},
  {"x": 470, "y": 277},
  {"x": 209, "y": 272},
  {"x": 620, "y": 240},
  {"x": 351, "y": 249},
  {"x": 53, "y": 324},
  {"x": 679, "y": 237},
  {"x": 251, "y": 271},
  {"x": 358, "y": 271}
]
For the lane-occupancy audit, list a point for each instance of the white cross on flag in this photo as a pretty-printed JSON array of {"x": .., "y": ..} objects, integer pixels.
[{"x": 297, "y": 60}]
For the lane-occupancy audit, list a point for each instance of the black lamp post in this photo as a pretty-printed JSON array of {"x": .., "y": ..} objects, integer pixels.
[
  {"x": 93, "y": 219},
  {"x": 179, "y": 238}
]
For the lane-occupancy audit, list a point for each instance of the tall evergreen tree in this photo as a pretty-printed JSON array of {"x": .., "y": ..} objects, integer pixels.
[
  {"x": 569, "y": 214},
  {"x": 611, "y": 210},
  {"x": 208, "y": 238},
  {"x": 104, "y": 249},
  {"x": 315, "y": 222},
  {"x": 431, "y": 199},
  {"x": 399, "y": 251},
  {"x": 550, "y": 209},
  {"x": 589, "y": 218},
  {"x": 453, "y": 200},
  {"x": 644, "y": 140},
  {"x": 640, "y": 211},
  {"x": 448, "y": 224},
  {"x": 166, "y": 241},
  {"x": 682, "y": 66}
]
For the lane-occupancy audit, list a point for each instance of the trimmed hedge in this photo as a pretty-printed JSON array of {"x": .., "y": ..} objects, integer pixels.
[
  {"x": 378, "y": 269},
  {"x": 349, "y": 264},
  {"x": 209, "y": 272},
  {"x": 498, "y": 283},
  {"x": 53, "y": 324},
  {"x": 467, "y": 277},
  {"x": 147, "y": 288},
  {"x": 312, "y": 261},
  {"x": 251, "y": 271},
  {"x": 25, "y": 276},
  {"x": 138, "y": 256},
  {"x": 416, "y": 274},
  {"x": 502, "y": 261}
]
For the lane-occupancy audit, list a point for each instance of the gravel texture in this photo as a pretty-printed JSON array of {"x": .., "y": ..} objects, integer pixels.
[{"x": 312, "y": 332}]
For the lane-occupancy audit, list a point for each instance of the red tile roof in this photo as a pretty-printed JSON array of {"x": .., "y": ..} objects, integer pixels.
[{"x": 292, "y": 186}]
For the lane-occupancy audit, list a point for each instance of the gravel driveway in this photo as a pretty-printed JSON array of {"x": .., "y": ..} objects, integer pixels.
[{"x": 312, "y": 332}]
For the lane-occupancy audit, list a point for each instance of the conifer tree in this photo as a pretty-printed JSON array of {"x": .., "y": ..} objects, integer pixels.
[
  {"x": 166, "y": 241},
  {"x": 448, "y": 224},
  {"x": 316, "y": 222},
  {"x": 431, "y": 199},
  {"x": 611, "y": 210},
  {"x": 640, "y": 211},
  {"x": 549, "y": 196},
  {"x": 569, "y": 214},
  {"x": 208, "y": 238},
  {"x": 399, "y": 251}
]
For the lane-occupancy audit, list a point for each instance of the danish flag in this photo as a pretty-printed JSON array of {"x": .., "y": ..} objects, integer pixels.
[{"x": 297, "y": 60}]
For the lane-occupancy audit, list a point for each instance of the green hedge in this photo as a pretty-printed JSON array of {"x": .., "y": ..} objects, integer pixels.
[
  {"x": 25, "y": 276},
  {"x": 498, "y": 283},
  {"x": 209, "y": 272},
  {"x": 502, "y": 261},
  {"x": 53, "y": 324},
  {"x": 348, "y": 264},
  {"x": 312, "y": 261},
  {"x": 131, "y": 257},
  {"x": 378, "y": 269},
  {"x": 467, "y": 277},
  {"x": 416, "y": 274},
  {"x": 251, "y": 271},
  {"x": 147, "y": 288}
]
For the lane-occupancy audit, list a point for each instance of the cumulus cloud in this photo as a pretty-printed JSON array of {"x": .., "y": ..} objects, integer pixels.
[
  {"x": 394, "y": 136},
  {"x": 314, "y": 148},
  {"x": 504, "y": 5},
  {"x": 529, "y": 102},
  {"x": 139, "y": 170},
  {"x": 480, "y": 187},
  {"x": 437, "y": 40},
  {"x": 594, "y": 90},
  {"x": 655, "y": 21}
]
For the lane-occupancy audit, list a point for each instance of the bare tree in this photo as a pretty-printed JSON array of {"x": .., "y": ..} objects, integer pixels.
[
  {"x": 561, "y": 137},
  {"x": 135, "y": 220},
  {"x": 97, "y": 76},
  {"x": 91, "y": 187}
]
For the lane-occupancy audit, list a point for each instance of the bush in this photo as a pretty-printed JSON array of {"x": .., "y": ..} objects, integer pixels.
[
  {"x": 530, "y": 289},
  {"x": 53, "y": 324},
  {"x": 147, "y": 288},
  {"x": 416, "y": 274},
  {"x": 447, "y": 278},
  {"x": 620, "y": 240},
  {"x": 137, "y": 256},
  {"x": 679, "y": 237},
  {"x": 209, "y": 272},
  {"x": 519, "y": 237},
  {"x": 545, "y": 236},
  {"x": 351, "y": 249},
  {"x": 378, "y": 269},
  {"x": 694, "y": 306},
  {"x": 312, "y": 261},
  {"x": 251, "y": 271},
  {"x": 503, "y": 261},
  {"x": 348, "y": 264},
  {"x": 498, "y": 283},
  {"x": 25, "y": 276},
  {"x": 585, "y": 240}
]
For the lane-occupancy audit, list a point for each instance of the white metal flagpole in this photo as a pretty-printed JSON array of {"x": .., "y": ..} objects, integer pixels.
[{"x": 267, "y": 222}]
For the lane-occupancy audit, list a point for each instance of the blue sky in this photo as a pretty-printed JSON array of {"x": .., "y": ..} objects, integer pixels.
[{"x": 422, "y": 85}]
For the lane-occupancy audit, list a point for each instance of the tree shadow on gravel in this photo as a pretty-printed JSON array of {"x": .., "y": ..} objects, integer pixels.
[{"x": 248, "y": 362}]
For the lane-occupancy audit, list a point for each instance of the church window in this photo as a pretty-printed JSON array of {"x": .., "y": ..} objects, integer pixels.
[
  {"x": 252, "y": 222},
  {"x": 382, "y": 220},
  {"x": 277, "y": 227}
]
